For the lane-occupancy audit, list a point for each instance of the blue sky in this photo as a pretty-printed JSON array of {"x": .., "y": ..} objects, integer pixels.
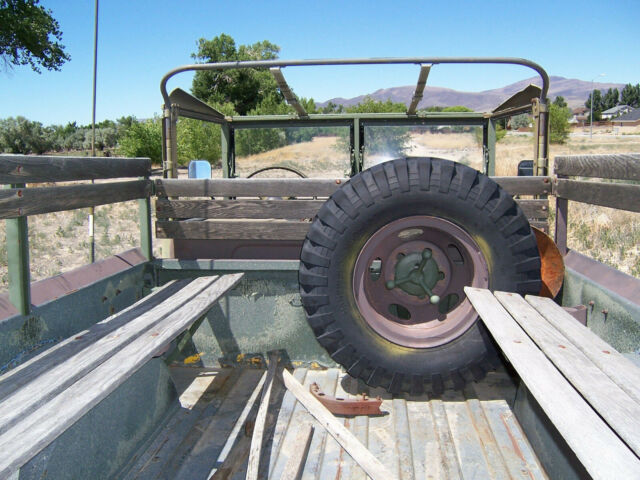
[{"x": 140, "y": 40}]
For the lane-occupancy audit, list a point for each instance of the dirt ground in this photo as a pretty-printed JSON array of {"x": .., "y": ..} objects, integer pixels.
[{"x": 59, "y": 241}]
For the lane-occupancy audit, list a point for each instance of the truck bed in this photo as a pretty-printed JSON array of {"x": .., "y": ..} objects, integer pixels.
[{"x": 461, "y": 435}]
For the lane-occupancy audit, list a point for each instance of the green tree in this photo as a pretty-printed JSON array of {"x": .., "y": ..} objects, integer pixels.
[
  {"x": 20, "y": 135},
  {"x": 198, "y": 140},
  {"x": 560, "y": 102},
  {"x": 630, "y": 95},
  {"x": 393, "y": 141},
  {"x": 522, "y": 120},
  {"x": 597, "y": 104},
  {"x": 143, "y": 139},
  {"x": 558, "y": 123},
  {"x": 29, "y": 35},
  {"x": 246, "y": 89},
  {"x": 610, "y": 99}
]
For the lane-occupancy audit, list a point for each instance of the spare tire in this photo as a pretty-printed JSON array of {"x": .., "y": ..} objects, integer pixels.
[{"x": 385, "y": 261}]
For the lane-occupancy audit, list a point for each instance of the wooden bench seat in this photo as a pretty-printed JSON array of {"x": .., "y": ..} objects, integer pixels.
[
  {"x": 588, "y": 390},
  {"x": 46, "y": 395}
]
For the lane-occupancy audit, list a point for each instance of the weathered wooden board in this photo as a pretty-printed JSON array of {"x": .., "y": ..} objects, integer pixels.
[
  {"x": 525, "y": 185},
  {"x": 534, "y": 208},
  {"x": 344, "y": 437},
  {"x": 618, "y": 409},
  {"x": 615, "y": 195},
  {"x": 617, "y": 367},
  {"x": 540, "y": 224},
  {"x": 52, "y": 357},
  {"x": 236, "y": 449},
  {"x": 44, "y": 387},
  {"x": 16, "y": 202},
  {"x": 306, "y": 187},
  {"x": 257, "y": 438},
  {"x": 248, "y": 187},
  {"x": 622, "y": 166},
  {"x": 36, "y": 430},
  {"x": 42, "y": 168},
  {"x": 233, "y": 230},
  {"x": 597, "y": 447},
  {"x": 231, "y": 209},
  {"x": 279, "y": 209}
]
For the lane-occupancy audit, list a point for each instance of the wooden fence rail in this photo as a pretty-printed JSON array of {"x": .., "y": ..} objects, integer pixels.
[
  {"x": 623, "y": 166},
  {"x": 40, "y": 168},
  {"x": 307, "y": 187},
  {"x": 17, "y": 202}
]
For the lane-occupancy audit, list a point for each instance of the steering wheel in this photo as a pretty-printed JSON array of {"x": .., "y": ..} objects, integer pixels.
[{"x": 278, "y": 167}]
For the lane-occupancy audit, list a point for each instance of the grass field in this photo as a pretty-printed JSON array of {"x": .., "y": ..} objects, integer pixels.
[{"x": 59, "y": 241}]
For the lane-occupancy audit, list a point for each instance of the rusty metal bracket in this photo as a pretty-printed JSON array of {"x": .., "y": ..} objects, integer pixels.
[{"x": 361, "y": 405}]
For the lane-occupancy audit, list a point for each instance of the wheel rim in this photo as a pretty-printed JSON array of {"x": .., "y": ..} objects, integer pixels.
[{"x": 409, "y": 277}]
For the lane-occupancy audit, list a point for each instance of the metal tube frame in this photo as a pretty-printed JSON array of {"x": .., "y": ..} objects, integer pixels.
[{"x": 356, "y": 122}]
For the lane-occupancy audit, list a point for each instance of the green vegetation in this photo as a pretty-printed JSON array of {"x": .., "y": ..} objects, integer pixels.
[
  {"x": 392, "y": 141},
  {"x": 143, "y": 139},
  {"x": 26, "y": 31},
  {"x": 558, "y": 122},
  {"x": 630, "y": 95}
]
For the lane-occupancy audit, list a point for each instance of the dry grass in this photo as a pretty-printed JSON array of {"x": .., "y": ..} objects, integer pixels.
[{"x": 59, "y": 241}]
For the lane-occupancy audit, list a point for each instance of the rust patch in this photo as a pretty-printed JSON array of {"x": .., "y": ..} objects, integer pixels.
[
  {"x": 514, "y": 442},
  {"x": 606, "y": 351},
  {"x": 562, "y": 346}
]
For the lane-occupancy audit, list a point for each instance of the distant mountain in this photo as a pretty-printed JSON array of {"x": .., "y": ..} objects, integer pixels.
[{"x": 574, "y": 91}]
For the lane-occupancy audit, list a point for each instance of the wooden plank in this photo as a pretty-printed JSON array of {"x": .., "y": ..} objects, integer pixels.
[
  {"x": 525, "y": 185},
  {"x": 540, "y": 224},
  {"x": 236, "y": 449},
  {"x": 258, "y": 430},
  {"x": 534, "y": 208},
  {"x": 619, "y": 368},
  {"x": 16, "y": 202},
  {"x": 604, "y": 455},
  {"x": 53, "y": 380},
  {"x": 306, "y": 187},
  {"x": 233, "y": 230},
  {"x": 618, "y": 409},
  {"x": 281, "y": 209},
  {"x": 344, "y": 437},
  {"x": 615, "y": 195},
  {"x": 207, "y": 440},
  {"x": 289, "y": 415},
  {"x": 36, "y": 430},
  {"x": 248, "y": 187},
  {"x": 43, "y": 168},
  {"x": 295, "y": 464},
  {"x": 234, "y": 209},
  {"x": 50, "y": 358},
  {"x": 622, "y": 166}
]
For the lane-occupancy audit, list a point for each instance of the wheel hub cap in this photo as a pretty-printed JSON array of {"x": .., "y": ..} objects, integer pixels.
[
  {"x": 417, "y": 274},
  {"x": 409, "y": 279}
]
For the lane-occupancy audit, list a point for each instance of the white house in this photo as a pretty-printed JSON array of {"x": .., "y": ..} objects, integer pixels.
[{"x": 616, "y": 111}]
